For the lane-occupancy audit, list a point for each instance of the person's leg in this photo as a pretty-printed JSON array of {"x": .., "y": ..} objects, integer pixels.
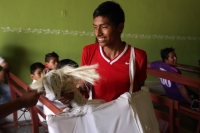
[{"x": 5, "y": 95}]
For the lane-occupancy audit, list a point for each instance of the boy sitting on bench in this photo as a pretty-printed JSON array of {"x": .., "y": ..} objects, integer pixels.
[{"x": 173, "y": 90}]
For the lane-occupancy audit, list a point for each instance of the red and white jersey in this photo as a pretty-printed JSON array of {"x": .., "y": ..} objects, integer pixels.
[{"x": 114, "y": 73}]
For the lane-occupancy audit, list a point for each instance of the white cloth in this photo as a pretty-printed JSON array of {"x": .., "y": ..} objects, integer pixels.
[
  {"x": 57, "y": 103},
  {"x": 40, "y": 105},
  {"x": 132, "y": 68},
  {"x": 1, "y": 59},
  {"x": 130, "y": 113}
]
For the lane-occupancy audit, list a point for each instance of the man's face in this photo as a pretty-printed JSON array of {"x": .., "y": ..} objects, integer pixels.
[
  {"x": 172, "y": 59},
  {"x": 37, "y": 74},
  {"x": 106, "y": 32},
  {"x": 52, "y": 64}
]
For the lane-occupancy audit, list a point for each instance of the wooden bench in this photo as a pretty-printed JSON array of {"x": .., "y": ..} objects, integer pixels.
[
  {"x": 188, "y": 68},
  {"x": 15, "y": 92},
  {"x": 167, "y": 116},
  {"x": 186, "y": 80},
  {"x": 18, "y": 87}
]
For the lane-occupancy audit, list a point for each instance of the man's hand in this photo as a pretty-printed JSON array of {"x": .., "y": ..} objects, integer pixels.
[
  {"x": 2, "y": 76},
  {"x": 66, "y": 97},
  {"x": 29, "y": 98},
  {"x": 4, "y": 67}
]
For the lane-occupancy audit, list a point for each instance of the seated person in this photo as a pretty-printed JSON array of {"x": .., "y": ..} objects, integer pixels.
[
  {"x": 175, "y": 91},
  {"x": 62, "y": 85},
  {"x": 83, "y": 89},
  {"x": 61, "y": 64},
  {"x": 36, "y": 69},
  {"x": 65, "y": 62},
  {"x": 5, "y": 95},
  {"x": 51, "y": 61}
]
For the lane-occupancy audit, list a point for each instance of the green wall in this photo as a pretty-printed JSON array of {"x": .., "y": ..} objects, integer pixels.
[{"x": 31, "y": 28}]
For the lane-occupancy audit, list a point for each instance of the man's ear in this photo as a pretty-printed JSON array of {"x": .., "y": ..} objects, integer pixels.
[
  {"x": 120, "y": 27},
  {"x": 46, "y": 63},
  {"x": 165, "y": 60},
  {"x": 32, "y": 76}
]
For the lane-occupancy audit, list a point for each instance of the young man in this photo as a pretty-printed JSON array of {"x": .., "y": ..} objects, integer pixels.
[
  {"x": 112, "y": 54},
  {"x": 5, "y": 95},
  {"x": 173, "y": 90}
]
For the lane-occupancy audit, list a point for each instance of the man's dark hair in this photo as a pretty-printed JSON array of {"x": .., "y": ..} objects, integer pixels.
[
  {"x": 165, "y": 53},
  {"x": 35, "y": 66},
  {"x": 49, "y": 55},
  {"x": 112, "y": 11},
  {"x": 66, "y": 62}
]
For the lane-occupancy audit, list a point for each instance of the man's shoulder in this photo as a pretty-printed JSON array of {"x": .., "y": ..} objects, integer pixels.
[
  {"x": 161, "y": 65},
  {"x": 158, "y": 64},
  {"x": 139, "y": 51},
  {"x": 175, "y": 69},
  {"x": 91, "y": 46}
]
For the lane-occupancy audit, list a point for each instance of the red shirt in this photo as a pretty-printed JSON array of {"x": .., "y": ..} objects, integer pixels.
[{"x": 114, "y": 73}]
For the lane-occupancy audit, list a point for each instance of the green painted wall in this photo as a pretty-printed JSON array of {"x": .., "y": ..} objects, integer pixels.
[{"x": 31, "y": 28}]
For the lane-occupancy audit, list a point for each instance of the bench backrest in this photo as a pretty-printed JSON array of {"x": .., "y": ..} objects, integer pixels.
[
  {"x": 186, "y": 80},
  {"x": 168, "y": 117},
  {"x": 188, "y": 68},
  {"x": 18, "y": 87}
]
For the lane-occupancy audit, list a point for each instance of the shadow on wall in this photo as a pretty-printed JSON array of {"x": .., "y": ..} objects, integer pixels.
[{"x": 16, "y": 56}]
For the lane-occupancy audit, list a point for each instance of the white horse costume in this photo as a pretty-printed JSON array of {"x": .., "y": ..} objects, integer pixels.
[
  {"x": 130, "y": 113},
  {"x": 66, "y": 79}
]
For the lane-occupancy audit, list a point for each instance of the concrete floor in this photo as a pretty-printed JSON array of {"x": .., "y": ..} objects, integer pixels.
[{"x": 25, "y": 128}]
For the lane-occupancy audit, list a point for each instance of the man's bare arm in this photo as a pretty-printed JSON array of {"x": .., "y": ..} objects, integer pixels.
[
  {"x": 28, "y": 99},
  {"x": 184, "y": 93}
]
